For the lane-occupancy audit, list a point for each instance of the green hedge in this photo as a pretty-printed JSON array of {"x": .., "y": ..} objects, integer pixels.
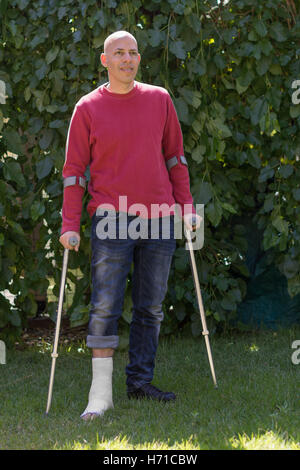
[{"x": 229, "y": 69}]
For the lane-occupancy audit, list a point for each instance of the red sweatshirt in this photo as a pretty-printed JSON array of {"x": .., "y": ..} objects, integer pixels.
[{"x": 126, "y": 139}]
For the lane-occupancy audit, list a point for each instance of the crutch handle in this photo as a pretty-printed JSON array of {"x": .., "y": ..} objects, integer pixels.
[
  {"x": 73, "y": 241},
  {"x": 194, "y": 223}
]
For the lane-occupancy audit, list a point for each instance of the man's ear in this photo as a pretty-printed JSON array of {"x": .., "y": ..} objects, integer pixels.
[{"x": 103, "y": 60}]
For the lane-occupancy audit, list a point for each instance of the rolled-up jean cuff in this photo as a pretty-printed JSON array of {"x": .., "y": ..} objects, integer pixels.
[{"x": 101, "y": 342}]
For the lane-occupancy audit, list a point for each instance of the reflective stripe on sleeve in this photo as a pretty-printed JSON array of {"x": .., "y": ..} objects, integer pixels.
[{"x": 72, "y": 180}]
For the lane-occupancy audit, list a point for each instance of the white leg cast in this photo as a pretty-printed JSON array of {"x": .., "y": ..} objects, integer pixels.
[{"x": 100, "y": 395}]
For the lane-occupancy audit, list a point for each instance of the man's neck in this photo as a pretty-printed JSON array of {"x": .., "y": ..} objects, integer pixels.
[{"x": 120, "y": 88}]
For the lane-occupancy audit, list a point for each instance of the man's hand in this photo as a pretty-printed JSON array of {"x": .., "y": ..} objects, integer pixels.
[
  {"x": 65, "y": 237},
  {"x": 192, "y": 221}
]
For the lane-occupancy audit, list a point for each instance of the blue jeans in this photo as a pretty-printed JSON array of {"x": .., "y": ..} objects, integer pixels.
[{"x": 110, "y": 265}]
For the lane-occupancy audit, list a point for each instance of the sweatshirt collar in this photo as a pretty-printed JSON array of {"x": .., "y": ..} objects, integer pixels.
[{"x": 121, "y": 96}]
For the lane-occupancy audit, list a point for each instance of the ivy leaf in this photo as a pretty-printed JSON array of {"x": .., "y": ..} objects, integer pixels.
[
  {"x": 229, "y": 35},
  {"x": 15, "y": 227},
  {"x": 52, "y": 54},
  {"x": 13, "y": 141},
  {"x": 277, "y": 32},
  {"x": 228, "y": 207},
  {"x": 214, "y": 212},
  {"x": 204, "y": 193},
  {"x": 290, "y": 267},
  {"x": 13, "y": 172},
  {"x": 286, "y": 171},
  {"x": 195, "y": 23},
  {"x": 200, "y": 67},
  {"x": 155, "y": 37},
  {"x": 260, "y": 28},
  {"x": 218, "y": 128},
  {"x": 178, "y": 49},
  {"x": 253, "y": 158},
  {"x": 198, "y": 153},
  {"x": 42, "y": 71},
  {"x": 79, "y": 316},
  {"x": 46, "y": 139},
  {"x": 180, "y": 310},
  {"x": 14, "y": 317},
  {"x": 280, "y": 224},
  {"x": 244, "y": 80},
  {"x": 258, "y": 109},
  {"x": 220, "y": 61},
  {"x": 182, "y": 110},
  {"x": 44, "y": 167},
  {"x": 36, "y": 210},
  {"x": 57, "y": 77},
  {"x": 294, "y": 286},
  {"x": 265, "y": 174},
  {"x": 56, "y": 124},
  {"x": 240, "y": 88},
  {"x": 192, "y": 97},
  {"x": 62, "y": 11},
  {"x": 227, "y": 303},
  {"x": 296, "y": 194},
  {"x": 36, "y": 124},
  {"x": 263, "y": 65},
  {"x": 265, "y": 46},
  {"x": 295, "y": 111}
]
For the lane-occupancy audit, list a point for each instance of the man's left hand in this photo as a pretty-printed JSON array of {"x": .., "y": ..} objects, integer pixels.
[{"x": 192, "y": 221}]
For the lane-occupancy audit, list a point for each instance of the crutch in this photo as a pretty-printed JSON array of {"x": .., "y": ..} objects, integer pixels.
[
  {"x": 73, "y": 242},
  {"x": 205, "y": 331}
]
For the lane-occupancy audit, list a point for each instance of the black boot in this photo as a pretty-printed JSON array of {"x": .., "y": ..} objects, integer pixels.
[{"x": 152, "y": 393}]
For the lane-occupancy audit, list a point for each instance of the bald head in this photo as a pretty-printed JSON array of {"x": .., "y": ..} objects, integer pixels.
[
  {"x": 109, "y": 41},
  {"x": 121, "y": 58}
]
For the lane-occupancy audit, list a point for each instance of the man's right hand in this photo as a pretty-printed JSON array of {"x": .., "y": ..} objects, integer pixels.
[{"x": 65, "y": 237}]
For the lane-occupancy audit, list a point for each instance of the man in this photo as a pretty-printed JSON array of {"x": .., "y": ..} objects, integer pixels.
[{"x": 128, "y": 133}]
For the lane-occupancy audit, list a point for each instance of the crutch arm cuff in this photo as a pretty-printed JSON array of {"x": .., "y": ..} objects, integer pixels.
[
  {"x": 73, "y": 180},
  {"x": 171, "y": 162}
]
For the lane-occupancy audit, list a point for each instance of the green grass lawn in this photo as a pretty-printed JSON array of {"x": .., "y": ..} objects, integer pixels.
[{"x": 255, "y": 407}]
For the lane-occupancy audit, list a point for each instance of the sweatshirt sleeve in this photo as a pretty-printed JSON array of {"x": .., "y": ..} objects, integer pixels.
[
  {"x": 77, "y": 159},
  {"x": 175, "y": 160}
]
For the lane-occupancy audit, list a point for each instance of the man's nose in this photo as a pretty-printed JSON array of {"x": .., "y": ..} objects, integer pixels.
[{"x": 126, "y": 56}]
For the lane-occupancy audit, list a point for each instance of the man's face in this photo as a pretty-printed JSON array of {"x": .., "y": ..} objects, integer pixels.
[{"x": 121, "y": 58}]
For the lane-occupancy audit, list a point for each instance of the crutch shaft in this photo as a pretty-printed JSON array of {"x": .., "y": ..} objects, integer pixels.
[
  {"x": 73, "y": 241},
  {"x": 54, "y": 354},
  {"x": 205, "y": 331}
]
